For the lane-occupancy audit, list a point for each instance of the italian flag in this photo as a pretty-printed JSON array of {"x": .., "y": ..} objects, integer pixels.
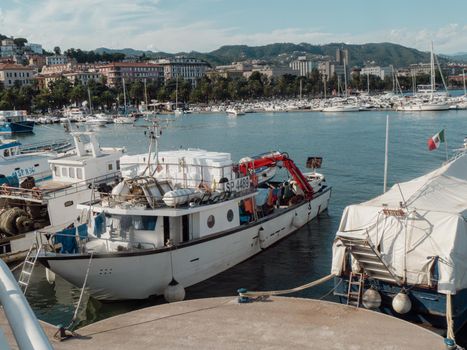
[{"x": 433, "y": 143}]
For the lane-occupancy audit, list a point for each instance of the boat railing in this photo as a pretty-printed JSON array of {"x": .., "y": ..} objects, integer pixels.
[
  {"x": 26, "y": 329},
  {"x": 40, "y": 194},
  {"x": 55, "y": 145},
  {"x": 51, "y": 243}
]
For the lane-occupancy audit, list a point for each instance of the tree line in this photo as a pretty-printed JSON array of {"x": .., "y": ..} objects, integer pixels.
[{"x": 215, "y": 89}]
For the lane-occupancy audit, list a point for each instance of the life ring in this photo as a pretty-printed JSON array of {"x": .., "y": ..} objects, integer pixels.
[{"x": 36, "y": 192}]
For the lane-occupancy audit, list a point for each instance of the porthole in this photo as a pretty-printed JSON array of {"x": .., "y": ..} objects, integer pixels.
[
  {"x": 230, "y": 215},
  {"x": 211, "y": 221}
]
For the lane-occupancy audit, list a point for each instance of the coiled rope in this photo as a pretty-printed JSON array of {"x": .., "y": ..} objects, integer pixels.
[{"x": 245, "y": 293}]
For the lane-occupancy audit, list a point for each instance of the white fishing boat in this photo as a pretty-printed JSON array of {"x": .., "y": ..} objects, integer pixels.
[
  {"x": 187, "y": 216},
  {"x": 21, "y": 162},
  {"x": 51, "y": 205}
]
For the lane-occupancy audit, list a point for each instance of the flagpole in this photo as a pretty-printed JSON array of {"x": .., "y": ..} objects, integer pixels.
[{"x": 385, "y": 185}]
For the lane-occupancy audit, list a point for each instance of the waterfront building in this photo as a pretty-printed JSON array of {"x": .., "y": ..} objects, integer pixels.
[
  {"x": 8, "y": 48},
  {"x": 303, "y": 65},
  {"x": 326, "y": 69},
  {"x": 38, "y": 61},
  {"x": 131, "y": 71},
  {"x": 272, "y": 72},
  {"x": 35, "y": 48},
  {"x": 182, "y": 67},
  {"x": 378, "y": 71},
  {"x": 11, "y": 74},
  {"x": 56, "y": 59},
  {"x": 84, "y": 77},
  {"x": 342, "y": 56}
]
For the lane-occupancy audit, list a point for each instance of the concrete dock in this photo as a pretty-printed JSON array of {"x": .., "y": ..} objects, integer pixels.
[{"x": 223, "y": 323}]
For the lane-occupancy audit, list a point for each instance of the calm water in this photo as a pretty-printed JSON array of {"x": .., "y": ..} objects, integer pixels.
[{"x": 352, "y": 145}]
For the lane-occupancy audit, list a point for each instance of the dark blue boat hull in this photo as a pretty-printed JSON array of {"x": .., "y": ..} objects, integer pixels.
[
  {"x": 17, "y": 127},
  {"x": 428, "y": 306}
]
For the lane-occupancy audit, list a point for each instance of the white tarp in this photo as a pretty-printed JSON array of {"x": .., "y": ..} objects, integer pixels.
[{"x": 434, "y": 227}]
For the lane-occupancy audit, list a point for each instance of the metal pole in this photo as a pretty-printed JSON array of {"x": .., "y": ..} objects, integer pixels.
[
  {"x": 385, "y": 185},
  {"x": 28, "y": 332}
]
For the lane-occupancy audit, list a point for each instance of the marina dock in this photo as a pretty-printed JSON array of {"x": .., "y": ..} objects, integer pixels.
[{"x": 277, "y": 323}]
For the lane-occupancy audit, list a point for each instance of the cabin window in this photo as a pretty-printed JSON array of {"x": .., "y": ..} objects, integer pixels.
[
  {"x": 56, "y": 171},
  {"x": 6, "y": 153},
  {"x": 211, "y": 221},
  {"x": 144, "y": 222},
  {"x": 230, "y": 215},
  {"x": 79, "y": 173},
  {"x": 72, "y": 173},
  {"x": 64, "y": 171},
  {"x": 117, "y": 164},
  {"x": 109, "y": 166}
]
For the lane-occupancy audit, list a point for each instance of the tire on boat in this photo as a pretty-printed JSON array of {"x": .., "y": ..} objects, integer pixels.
[
  {"x": 8, "y": 221},
  {"x": 24, "y": 224}
]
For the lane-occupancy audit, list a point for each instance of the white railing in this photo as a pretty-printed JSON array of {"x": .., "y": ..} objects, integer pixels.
[{"x": 26, "y": 329}]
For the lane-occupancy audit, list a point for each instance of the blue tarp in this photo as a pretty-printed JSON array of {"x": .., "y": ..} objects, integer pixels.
[
  {"x": 82, "y": 231},
  {"x": 67, "y": 238},
  {"x": 99, "y": 225}
]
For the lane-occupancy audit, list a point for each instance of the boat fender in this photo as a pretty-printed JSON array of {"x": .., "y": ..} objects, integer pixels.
[
  {"x": 50, "y": 276},
  {"x": 298, "y": 221},
  {"x": 174, "y": 292},
  {"x": 371, "y": 299},
  {"x": 401, "y": 303}
]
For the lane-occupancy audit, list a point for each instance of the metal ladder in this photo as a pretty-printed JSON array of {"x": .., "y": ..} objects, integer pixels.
[
  {"x": 28, "y": 267},
  {"x": 354, "y": 297}
]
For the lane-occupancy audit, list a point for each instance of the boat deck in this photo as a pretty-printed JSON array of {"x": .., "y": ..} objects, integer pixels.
[{"x": 223, "y": 323}]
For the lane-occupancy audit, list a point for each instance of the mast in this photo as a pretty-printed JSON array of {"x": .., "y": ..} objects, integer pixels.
[
  {"x": 124, "y": 95},
  {"x": 432, "y": 62},
  {"x": 385, "y": 185},
  {"x": 145, "y": 95},
  {"x": 368, "y": 82},
  {"x": 90, "y": 102},
  {"x": 345, "y": 77},
  {"x": 463, "y": 74},
  {"x": 176, "y": 92}
]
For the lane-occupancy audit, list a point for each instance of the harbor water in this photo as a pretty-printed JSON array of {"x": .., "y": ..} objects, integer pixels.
[{"x": 352, "y": 146}]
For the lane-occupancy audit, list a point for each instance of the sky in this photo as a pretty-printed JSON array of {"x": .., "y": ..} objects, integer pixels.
[{"x": 205, "y": 25}]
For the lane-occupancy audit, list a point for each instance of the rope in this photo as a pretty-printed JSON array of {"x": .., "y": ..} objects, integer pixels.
[
  {"x": 287, "y": 291},
  {"x": 449, "y": 321},
  {"x": 75, "y": 315}
]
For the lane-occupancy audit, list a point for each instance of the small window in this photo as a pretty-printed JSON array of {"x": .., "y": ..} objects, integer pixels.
[
  {"x": 64, "y": 171},
  {"x": 211, "y": 221},
  {"x": 118, "y": 164},
  {"x": 56, "y": 171},
  {"x": 6, "y": 152},
  {"x": 72, "y": 173},
  {"x": 79, "y": 173},
  {"x": 109, "y": 166},
  {"x": 230, "y": 215}
]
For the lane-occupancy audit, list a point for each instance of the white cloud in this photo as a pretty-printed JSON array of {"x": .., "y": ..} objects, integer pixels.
[{"x": 144, "y": 24}]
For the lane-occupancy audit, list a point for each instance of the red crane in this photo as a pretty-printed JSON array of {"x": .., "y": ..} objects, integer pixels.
[{"x": 271, "y": 160}]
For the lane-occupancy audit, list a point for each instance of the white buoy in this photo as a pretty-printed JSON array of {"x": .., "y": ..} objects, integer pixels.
[
  {"x": 298, "y": 221},
  {"x": 50, "y": 276},
  {"x": 401, "y": 303},
  {"x": 371, "y": 299},
  {"x": 174, "y": 292}
]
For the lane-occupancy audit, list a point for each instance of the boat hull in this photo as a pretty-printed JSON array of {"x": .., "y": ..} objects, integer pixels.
[
  {"x": 428, "y": 306},
  {"x": 140, "y": 274},
  {"x": 17, "y": 127}
]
